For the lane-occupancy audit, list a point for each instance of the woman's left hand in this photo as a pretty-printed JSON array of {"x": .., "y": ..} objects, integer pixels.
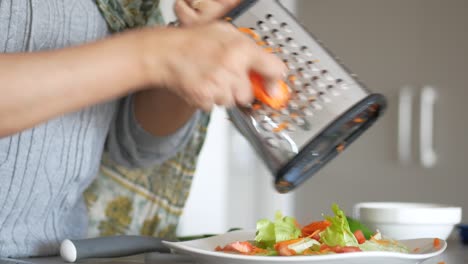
[{"x": 194, "y": 12}]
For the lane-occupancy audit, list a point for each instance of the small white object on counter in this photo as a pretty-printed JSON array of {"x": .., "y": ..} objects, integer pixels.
[{"x": 409, "y": 220}]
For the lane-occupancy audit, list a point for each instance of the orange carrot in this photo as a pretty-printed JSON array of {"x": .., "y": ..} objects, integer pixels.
[
  {"x": 283, "y": 249},
  {"x": 316, "y": 232},
  {"x": 280, "y": 127},
  {"x": 256, "y": 106},
  {"x": 358, "y": 120},
  {"x": 314, "y": 226},
  {"x": 416, "y": 250},
  {"x": 436, "y": 243},
  {"x": 292, "y": 78},
  {"x": 250, "y": 32},
  {"x": 340, "y": 148},
  {"x": 262, "y": 95}
]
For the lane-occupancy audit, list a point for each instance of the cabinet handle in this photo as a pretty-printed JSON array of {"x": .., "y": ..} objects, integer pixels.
[
  {"x": 428, "y": 154},
  {"x": 405, "y": 119}
]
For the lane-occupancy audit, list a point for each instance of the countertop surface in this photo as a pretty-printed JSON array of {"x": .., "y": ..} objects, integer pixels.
[{"x": 456, "y": 253}]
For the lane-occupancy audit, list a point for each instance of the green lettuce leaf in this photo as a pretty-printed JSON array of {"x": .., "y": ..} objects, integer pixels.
[
  {"x": 301, "y": 246},
  {"x": 339, "y": 233},
  {"x": 285, "y": 228},
  {"x": 265, "y": 236}
]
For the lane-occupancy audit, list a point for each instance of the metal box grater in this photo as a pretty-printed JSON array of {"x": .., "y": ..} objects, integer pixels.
[{"x": 328, "y": 109}]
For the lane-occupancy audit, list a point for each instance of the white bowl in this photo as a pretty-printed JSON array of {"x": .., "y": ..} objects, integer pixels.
[{"x": 409, "y": 220}]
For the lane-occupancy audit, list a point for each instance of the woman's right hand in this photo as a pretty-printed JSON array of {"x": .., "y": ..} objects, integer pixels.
[{"x": 208, "y": 65}]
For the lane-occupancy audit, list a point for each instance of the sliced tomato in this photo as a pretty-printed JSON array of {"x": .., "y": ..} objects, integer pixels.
[
  {"x": 237, "y": 247},
  {"x": 316, "y": 237},
  {"x": 360, "y": 236},
  {"x": 285, "y": 251},
  {"x": 351, "y": 249}
]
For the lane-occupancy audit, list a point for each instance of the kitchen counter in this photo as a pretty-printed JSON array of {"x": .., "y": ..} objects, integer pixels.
[{"x": 455, "y": 254}]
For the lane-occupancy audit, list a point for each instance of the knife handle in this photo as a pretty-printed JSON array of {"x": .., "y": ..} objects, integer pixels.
[{"x": 110, "y": 247}]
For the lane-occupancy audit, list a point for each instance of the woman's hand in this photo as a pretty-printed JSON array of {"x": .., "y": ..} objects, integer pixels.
[
  {"x": 193, "y": 12},
  {"x": 208, "y": 65}
]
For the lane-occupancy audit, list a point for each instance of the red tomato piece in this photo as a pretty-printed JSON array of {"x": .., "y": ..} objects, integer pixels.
[{"x": 360, "y": 236}]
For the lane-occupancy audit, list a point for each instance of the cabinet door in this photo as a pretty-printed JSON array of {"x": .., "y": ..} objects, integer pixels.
[{"x": 392, "y": 44}]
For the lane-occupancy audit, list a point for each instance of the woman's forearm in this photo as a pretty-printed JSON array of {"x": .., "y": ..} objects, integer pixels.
[
  {"x": 161, "y": 112},
  {"x": 35, "y": 87}
]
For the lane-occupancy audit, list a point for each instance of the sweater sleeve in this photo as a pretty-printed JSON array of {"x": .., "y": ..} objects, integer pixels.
[{"x": 129, "y": 145}]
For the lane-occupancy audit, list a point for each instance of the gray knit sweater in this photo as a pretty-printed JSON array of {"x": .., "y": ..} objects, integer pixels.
[{"x": 44, "y": 170}]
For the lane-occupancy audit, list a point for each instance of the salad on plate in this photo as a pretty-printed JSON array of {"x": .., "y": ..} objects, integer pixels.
[{"x": 333, "y": 235}]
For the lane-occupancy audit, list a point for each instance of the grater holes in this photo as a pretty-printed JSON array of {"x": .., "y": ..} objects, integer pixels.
[
  {"x": 317, "y": 106},
  {"x": 297, "y": 119},
  {"x": 297, "y": 58},
  {"x": 311, "y": 99},
  {"x": 303, "y": 73},
  {"x": 323, "y": 97},
  {"x": 262, "y": 25},
  {"x": 277, "y": 34},
  {"x": 313, "y": 66},
  {"x": 302, "y": 96},
  {"x": 283, "y": 49},
  {"x": 271, "y": 19},
  {"x": 294, "y": 80},
  {"x": 290, "y": 41},
  {"x": 285, "y": 27},
  {"x": 293, "y": 105},
  {"x": 306, "y": 51},
  {"x": 306, "y": 111},
  {"x": 266, "y": 125}
]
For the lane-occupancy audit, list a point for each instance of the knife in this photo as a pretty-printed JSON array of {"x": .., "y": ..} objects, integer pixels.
[{"x": 110, "y": 247}]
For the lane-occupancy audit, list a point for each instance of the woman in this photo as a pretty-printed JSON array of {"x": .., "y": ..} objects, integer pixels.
[{"x": 68, "y": 94}]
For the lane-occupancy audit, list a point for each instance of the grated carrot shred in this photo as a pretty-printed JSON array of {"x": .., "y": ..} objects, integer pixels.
[
  {"x": 340, "y": 148},
  {"x": 316, "y": 232},
  {"x": 436, "y": 243},
  {"x": 256, "y": 106},
  {"x": 250, "y": 32},
  {"x": 292, "y": 78},
  {"x": 280, "y": 127},
  {"x": 358, "y": 120}
]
